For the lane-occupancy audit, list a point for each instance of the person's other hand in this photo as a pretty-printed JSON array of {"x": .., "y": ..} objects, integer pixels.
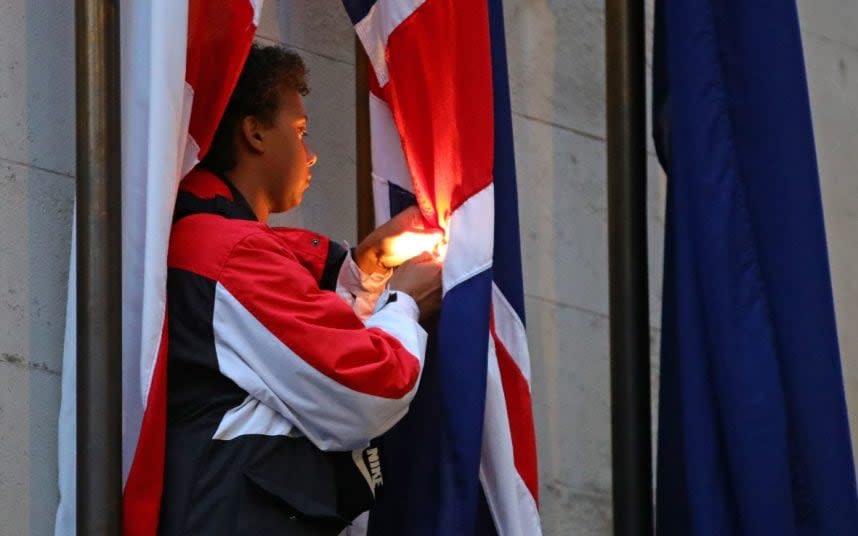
[
  {"x": 401, "y": 238},
  {"x": 420, "y": 278}
]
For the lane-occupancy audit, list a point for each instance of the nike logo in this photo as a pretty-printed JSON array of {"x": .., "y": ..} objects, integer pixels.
[{"x": 374, "y": 467}]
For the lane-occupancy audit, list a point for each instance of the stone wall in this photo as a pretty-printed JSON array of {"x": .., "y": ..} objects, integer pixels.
[{"x": 37, "y": 162}]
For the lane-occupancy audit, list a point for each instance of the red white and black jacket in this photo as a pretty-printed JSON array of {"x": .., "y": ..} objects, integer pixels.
[{"x": 275, "y": 385}]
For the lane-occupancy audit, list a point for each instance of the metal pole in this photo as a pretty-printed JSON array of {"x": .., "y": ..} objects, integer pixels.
[
  {"x": 629, "y": 301},
  {"x": 365, "y": 213},
  {"x": 99, "y": 348}
]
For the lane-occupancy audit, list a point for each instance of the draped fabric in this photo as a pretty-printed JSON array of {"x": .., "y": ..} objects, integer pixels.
[
  {"x": 753, "y": 431},
  {"x": 463, "y": 461},
  {"x": 172, "y": 99}
]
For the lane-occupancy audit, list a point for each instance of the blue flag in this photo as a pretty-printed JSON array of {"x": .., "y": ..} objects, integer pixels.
[{"x": 753, "y": 430}]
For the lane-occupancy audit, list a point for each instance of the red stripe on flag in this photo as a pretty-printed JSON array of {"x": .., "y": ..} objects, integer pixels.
[
  {"x": 219, "y": 38},
  {"x": 516, "y": 391},
  {"x": 440, "y": 93},
  {"x": 141, "y": 501}
]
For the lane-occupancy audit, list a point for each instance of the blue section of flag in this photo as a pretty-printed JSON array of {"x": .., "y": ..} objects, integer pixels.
[
  {"x": 463, "y": 342},
  {"x": 507, "y": 254},
  {"x": 753, "y": 431},
  {"x": 399, "y": 198},
  {"x": 431, "y": 457},
  {"x": 358, "y": 9}
]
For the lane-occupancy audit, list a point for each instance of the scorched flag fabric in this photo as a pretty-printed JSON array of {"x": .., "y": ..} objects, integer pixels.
[{"x": 463, "y": 461}]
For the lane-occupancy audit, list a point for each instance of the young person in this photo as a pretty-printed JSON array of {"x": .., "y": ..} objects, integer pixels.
[{"x": 287, "y": 354}]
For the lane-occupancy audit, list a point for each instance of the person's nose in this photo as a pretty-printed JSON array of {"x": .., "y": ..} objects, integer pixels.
[{"x": 312, "y": 157}]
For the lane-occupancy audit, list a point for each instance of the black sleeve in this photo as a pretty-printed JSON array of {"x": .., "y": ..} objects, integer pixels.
[{"x": 336, "y": 257}]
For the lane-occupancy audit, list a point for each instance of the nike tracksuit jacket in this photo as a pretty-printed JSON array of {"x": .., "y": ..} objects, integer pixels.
[{"x": 284, "y": 362}]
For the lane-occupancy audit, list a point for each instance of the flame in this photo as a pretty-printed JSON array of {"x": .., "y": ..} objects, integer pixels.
[{"x": 411, "y": 244}]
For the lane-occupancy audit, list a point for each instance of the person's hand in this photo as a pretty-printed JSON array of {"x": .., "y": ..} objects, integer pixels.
[
  {"x": 401, "y": 238},
  {"x": 420, "y": 278}
]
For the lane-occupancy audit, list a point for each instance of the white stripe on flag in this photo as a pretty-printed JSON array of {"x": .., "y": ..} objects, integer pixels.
[
  {"x": 471, "y": 235},
  {"x": 381, "y": 199},
  {"x": 257, "y": 11},
  {"x": 190, "y": 150},
  {"x": 374, "y": 30},
  {"x": 510, "y": 330},
  {"x": 388, "y": 159},
  {"x": 67, "y": 436},
  {"x": 512, "y": 506},
  {"x": 155, "y": 123}
]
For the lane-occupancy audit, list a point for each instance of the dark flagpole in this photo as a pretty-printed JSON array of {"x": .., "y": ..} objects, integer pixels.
[
  {"x": 631, "y": 433},
  {"x": 99, "y": 345},
  {"x": 365, "y": 211}
]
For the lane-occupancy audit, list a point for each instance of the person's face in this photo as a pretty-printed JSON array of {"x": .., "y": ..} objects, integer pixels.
[{"x": 288, "y": 157}]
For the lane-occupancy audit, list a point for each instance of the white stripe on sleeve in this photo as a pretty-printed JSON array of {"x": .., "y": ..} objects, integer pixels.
[
  {"x": 399, "y": 319},
  {"x": 331, "y": 415}
]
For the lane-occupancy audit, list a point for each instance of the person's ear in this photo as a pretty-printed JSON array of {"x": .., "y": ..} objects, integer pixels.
[{"x": 252, "y": 133}]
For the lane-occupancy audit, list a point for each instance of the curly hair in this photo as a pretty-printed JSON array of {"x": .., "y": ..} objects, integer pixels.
[{"x": 267, "y": 71}]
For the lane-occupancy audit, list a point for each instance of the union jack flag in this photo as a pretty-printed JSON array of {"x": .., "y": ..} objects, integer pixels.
[{"x": 463, "y": 461}]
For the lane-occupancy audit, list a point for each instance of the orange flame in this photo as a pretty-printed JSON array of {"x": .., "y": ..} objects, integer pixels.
[{"x": 411, "y": 244}]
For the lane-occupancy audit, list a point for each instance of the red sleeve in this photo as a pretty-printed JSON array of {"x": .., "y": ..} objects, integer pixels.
[
  {"x": 322, "y": 257},
  {"x": 302, "y": 350}
]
